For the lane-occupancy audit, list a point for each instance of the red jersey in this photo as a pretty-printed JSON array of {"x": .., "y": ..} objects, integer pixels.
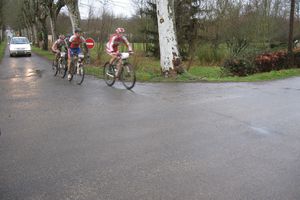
[
  {"x": 76, "y": 41},
  {"x": 114, "y": 41}
]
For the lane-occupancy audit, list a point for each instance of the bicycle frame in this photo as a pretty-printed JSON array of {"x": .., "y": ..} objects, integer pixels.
[
  {"x": 77, "y": 68},
  {"x": 124, "y": 60}
]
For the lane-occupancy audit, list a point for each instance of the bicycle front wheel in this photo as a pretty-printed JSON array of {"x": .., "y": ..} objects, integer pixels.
[
  {"x": 109, "y": 74},
  {"x": 54, "y": 67},
  {"x": 62, "y": 68},
  {"x": 78, "y": 75},
  {"x": 128, "y": 76}
]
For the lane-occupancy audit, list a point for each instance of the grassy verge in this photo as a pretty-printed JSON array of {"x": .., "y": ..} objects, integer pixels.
[
  {"x": 43, "y": 53},
  {"x": 2, "y": 49},
  {"x": 148, "y": 70}
]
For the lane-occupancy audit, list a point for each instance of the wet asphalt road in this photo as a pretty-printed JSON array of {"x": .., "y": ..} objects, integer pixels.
[{"x": 60, "y": 141}]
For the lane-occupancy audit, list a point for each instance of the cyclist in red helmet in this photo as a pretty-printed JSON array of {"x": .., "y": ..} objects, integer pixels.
[{"x": 112, "y": 47}]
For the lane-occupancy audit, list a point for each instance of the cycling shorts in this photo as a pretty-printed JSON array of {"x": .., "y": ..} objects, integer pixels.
[
  {"x": 113, "y": 53},
  {"x": 73, "y": 51}
]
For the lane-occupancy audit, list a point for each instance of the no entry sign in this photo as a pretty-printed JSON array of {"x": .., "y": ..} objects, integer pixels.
[{"x": 90, "y": 43}]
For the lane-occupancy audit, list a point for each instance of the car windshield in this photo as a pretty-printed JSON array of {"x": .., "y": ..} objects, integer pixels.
[{"x": 19, "y": 41}]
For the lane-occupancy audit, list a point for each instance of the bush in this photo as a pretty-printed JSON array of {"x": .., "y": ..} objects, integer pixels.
[
  {"x": 236, "y": 66},
  {"x": 267, "y": 62},
  {"x": 247, "y": 65}
]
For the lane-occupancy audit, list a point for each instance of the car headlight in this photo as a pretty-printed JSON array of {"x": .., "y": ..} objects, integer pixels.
[
  {"x": 28, "y": 48},
  {"x": 12, "y": 48}
]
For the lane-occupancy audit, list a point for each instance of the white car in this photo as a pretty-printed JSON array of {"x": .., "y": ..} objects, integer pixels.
[{"x": 19, "y": 46}]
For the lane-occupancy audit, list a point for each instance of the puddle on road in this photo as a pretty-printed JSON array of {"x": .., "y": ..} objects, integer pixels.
[
  {"x": 28, "y": 73},
  {"x": 261, "y": 131},
  {"x": 33, "y": 72}
]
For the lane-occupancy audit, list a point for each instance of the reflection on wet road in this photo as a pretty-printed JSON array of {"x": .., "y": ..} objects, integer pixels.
[{"x": 160, "y": 141}]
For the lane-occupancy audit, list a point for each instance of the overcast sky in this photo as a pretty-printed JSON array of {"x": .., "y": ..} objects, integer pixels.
[{"x": 118, "y": 7}]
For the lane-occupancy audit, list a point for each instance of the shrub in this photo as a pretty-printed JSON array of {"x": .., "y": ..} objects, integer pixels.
[
  {"x": 267, "y": 62},
  {"x": 297, "y": 59},
  {"x": 236, "y": 66},
  {"x": 237, "y": 45},
  {"x": 247, "y": 65}
]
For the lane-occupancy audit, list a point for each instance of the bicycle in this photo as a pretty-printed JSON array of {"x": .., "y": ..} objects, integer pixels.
[
  {"x": 127, "y": 73},
  {"x": 59, "y": 65},
  {"x": 76, "y": 69}
]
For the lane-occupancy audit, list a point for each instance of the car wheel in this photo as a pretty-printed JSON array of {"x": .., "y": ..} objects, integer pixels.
[{"x": 29, "y": 55}]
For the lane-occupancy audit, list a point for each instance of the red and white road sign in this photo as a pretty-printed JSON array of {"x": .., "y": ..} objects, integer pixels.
[{"x": 90, "y": 43}]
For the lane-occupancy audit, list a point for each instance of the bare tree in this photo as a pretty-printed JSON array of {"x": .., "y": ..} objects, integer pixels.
[
  {"x": 42, "y": 14},
  {"x": 30, "y": 20},
  {"x": 90, "y": 17},
  {"x": 54, "y": 9},
  {"x": 74, "y": 13},
  {"x": 105, "y": 23},
  {"x": 169, "y": 55}
]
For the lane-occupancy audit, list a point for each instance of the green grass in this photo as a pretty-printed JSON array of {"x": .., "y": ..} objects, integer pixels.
[
  {"x": 267, "y": 76},
  {"x": 2, "y": 49},
  {"x": 148, "y": 70},
  {"x": 46, "y": 54}
]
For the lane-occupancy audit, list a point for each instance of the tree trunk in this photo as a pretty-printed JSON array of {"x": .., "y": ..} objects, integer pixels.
[
  {"x": 291, "y": 33},
  {"x": 1, "y": 20},
  {"x": 29, "y": 31},
  {"x": 74, "y": 13},
  {"x": 53, "y": 28},
  {"x": 1, "y": 38},
  {"x": 169, "y": 54},
  {"x": 35, "y": 35},
  {"x": 45, "y": 36},
  {"x": 54, "y": 9}
]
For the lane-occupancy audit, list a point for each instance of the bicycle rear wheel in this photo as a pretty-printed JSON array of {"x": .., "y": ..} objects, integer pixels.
[
  {"x": 78, "y": 75},
  {"x": 109, "y": 74},
  {"x": 128, "y": 76},
  {"x": 54, "y": 67}
]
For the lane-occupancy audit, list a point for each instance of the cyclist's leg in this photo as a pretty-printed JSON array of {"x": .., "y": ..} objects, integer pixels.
[
  {"x": 119, "y": 67},
  {"x": 56, "y": 56},
  {"x": 113, "y": 56},
  {"x": 115, "y": 59},
  {"x": 112, "y": 59},
  {"x": 70, "y": 55}
]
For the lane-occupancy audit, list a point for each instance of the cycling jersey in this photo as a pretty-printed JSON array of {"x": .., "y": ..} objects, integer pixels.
[
  {"x": 75, "y": 45},
  {"x": 114, "y": 41},
  {"x": 58, "y": 45},
  {"x": 76, "y": 41}
]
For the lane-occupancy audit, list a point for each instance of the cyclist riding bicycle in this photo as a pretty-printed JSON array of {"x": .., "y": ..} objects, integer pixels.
[
  {"x": 58, "y": 46},
  {"x": 74, "y": 48},
  {"x": 112, "y": 47}
]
